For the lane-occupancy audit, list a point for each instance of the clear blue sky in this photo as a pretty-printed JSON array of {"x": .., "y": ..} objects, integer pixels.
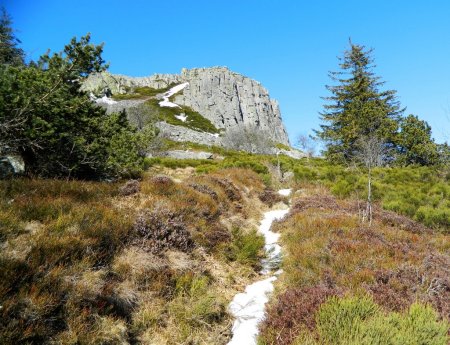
[{"x": 288, "y": 46}]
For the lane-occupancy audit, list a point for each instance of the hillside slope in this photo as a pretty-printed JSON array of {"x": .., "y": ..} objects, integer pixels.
[
  {"x": 152, "y": 262},
  {"x": 375, "y": 274}
]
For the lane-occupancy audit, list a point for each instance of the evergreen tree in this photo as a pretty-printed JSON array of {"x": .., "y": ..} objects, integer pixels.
[
  {"x": 357, "y": 107},
  {"x": 415, "y": 144},
  {"x": 55, "y": 126},
  {"x": 9, "y": 52}
]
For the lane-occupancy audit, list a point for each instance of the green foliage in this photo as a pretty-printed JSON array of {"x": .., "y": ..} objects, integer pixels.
[
  {"x": 338, "y": 319},
  {"x": 358, "y": 320},
  {"x": 417, "y": 192},
  {"x": 415, "y": 142},
  {"x": 127, "y": 147},
  {"x": 304, "y": 174},
  {"x": 174, "y": 163},
  {"x": 357, "y": 107},
  {"x": 282, "y": 147},
  {"x": 195, "y": 305},
  {"x": 56, "y": 128},
  {"x": 142, "y": 92},
  {"x": 431, "y": 216},
  {"x": 241, "y": 162},
  {"x": 194, "y": 120},
  {"x": 9, "y": 52},
  {"x": 246, "y": 247}
]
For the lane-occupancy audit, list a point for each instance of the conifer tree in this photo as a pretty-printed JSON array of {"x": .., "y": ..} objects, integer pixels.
[
  {"x": 357, "y": 107},
  {"x": 10, "y": 53}
]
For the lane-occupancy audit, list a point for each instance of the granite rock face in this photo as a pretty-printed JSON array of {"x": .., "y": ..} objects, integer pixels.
[
  {"x": 226, "y": 98},
  {"x": 180, "y": 154},
  {"x": 120, "y": 84},
  {"x": 179, "y": 133}
]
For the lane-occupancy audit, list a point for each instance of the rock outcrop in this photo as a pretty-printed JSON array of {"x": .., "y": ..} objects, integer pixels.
[
  {"x": 180, "y": 154},
  {"x": 225, "y": 98},
  {"x": 179, "y": 133},
  {"x": 11, "y": 165}
]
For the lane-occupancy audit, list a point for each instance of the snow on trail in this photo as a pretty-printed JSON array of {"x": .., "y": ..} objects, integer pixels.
[
  {"x": 284, "y": 192},
  {"x": 165, "y": 102},
  {"x": 248, "y": 307}
]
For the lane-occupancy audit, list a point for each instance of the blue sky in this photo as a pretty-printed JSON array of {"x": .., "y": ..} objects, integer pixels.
[{"x": 288, "y": 46}]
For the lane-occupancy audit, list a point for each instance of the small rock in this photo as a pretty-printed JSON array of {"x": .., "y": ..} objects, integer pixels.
[{"x": 11, "y": 165}]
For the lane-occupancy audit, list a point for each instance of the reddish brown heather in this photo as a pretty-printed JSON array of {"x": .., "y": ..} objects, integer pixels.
[
  {"x": 129, "y": 188},
  {"x": 328, "y": 250},
  {"x": 270, "y": 197},
  {"x": 295, "y": 310},
  {"x": 82, "y": 262}
]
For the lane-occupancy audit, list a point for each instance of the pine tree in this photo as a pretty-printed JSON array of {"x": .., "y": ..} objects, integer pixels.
[
  {"x": 357, "y": 107},
  {"x": 47, "y": 119},
  {"x": 9, "y": 52}
]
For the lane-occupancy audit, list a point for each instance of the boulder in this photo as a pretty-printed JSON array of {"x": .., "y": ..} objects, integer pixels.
[{"x": 11, "y": 165}]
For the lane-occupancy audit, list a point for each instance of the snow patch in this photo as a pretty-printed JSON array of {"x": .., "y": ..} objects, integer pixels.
[
  {"x": 181, "y": 117},
  {"x": 248, "y": 307},
  {"x": 285, "y": 192},
  {"x": 106, "y": 100},
  {"x": 165, "y": 102}
]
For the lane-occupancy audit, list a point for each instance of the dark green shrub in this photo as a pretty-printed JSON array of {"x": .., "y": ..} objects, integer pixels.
[{"x": 304, "y": 174}]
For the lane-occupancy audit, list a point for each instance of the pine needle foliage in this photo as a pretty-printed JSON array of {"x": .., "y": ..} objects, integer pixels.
[{"x": 357, "y": 106}]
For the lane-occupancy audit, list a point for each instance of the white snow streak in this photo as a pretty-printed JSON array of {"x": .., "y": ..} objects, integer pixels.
[
  {"x": 284, "y": 192},
  {"x": 181, "y": 117},
  {"x": 165, "y": 102},
  {"x": 106, "y": 100},
  {"x": 248, "y": 307}
]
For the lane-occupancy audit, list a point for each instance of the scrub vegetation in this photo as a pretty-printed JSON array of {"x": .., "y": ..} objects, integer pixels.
[
  {"x": 100, "y": 244},
  {"x": 346, "y": 282},
  {"x": 150, "y": 261}
]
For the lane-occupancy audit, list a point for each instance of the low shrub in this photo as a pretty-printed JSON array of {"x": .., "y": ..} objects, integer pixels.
[
  {"x": 358, "y": 320},
  {"x": 214, "y": 237},
  {"x": 270, "y": 197},
  {"x": 246, "y": 248},
  {"x": 434, "y": 217},
  {"x": 129, "y": 188},
  {"x": 338, "y": 319},
  {"x": 194, "y": 119},
  {"x": 194, "y": 306},
  {"x": 294, "y": 310},
  {"x": 304, "y": 174},
  {"x": 160, "y": 229},
  {"x": 142, "y": 92}
]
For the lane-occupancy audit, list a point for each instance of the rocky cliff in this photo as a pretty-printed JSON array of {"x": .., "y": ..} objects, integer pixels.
[{"x": 227, "y": 99}]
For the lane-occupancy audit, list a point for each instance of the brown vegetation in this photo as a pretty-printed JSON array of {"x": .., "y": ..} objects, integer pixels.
[
  {"x": 330, "y": 251},
  {"x": 104, "y": 263}
]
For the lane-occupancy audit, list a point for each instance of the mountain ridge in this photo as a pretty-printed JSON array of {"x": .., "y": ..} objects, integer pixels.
[{"x": 226, "y": 98}]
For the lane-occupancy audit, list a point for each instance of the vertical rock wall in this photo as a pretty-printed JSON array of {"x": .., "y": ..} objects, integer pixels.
[{"x": 226, "y": 98}]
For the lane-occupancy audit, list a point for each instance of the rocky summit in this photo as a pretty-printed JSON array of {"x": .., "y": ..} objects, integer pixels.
[{"x": 227, "y": 99}]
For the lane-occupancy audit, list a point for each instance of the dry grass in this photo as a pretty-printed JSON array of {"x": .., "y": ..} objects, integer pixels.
[
  {"x": 397, "y": 261},
  {"x": 79, "y": 267}
]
